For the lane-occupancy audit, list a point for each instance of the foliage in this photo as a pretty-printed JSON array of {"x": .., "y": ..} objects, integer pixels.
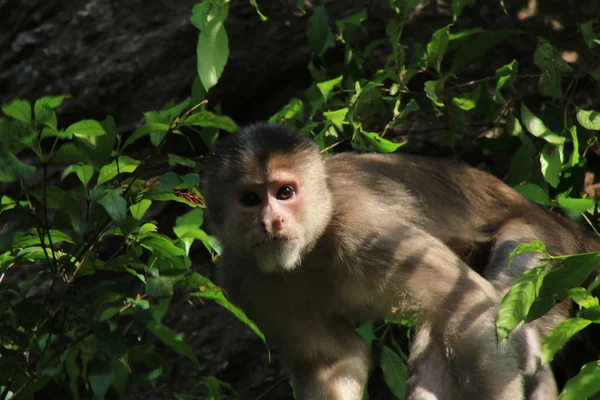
[
  {"x": 85, "y": 271},
  {"x": 85, "y": 274}
]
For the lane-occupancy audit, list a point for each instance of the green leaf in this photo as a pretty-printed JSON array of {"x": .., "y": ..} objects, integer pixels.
[
  {"x": 574, "y": 207},
  {"x": 467, "y": 101},
  {"x": 537, "y": 128},
  {"x": 457, "y": 6},
  {"x": 534, "y": 193},
  {"x": 401, "y": 116},
  {"x": 18, "y": 109},
  {"x": 589, "y": 33},
  {"x": 84, "y": 173},
  {"x": 551, "y": 164},
  {"x": 583, "y": 297},
  {"x": 146, "y": 130},
  {"x": 17, "y": 135},
  {"x": 574, "y": 271},
  {"x": 476, "y": 44},
  {"x": 212, "y": 50},
  {"x": 485, "y": 104},
  {"x": 505, "y": 78},
  {"x": 552, "y": 66},
  {"x": 320, "y": 37},
  {"x": 161, "y": 246},
  {"x": 327, "y": 86},
  {"x": 209, "y": 119},
  {"x": 86, "y": 128},
  {"x": 139, "y": 209},
  {"x": 171, "y": 339},
  {"x": 382, "y": 145},
  {"x": 433, "y": 89},
  {"x": 202, "y": 287},
  {"x": 367, "y": 332},
  {"x": 44, "y": 109},
  {"x": 12, "y": 169},
  {"x": 293, "y": 110},
  {"x": 574, "y": 157},
  {"x": 262, "y": 17},
  {"x": 30, "y": 237},
  {"x": 101, "y": 374},
  {"x": 353, "y": 21},
  {"x": 584, "y": 385},
  {"x": 114, "y": 204},
  {"x": 437, "y": 47},
  {"x": 559, "y": 336},
  {"x": 47, "y": 117},
  {"x": 337, "y": 117},
  {"x": 187, "y": 224},
  {"x": 121, "y": 165},
  {"x": 518, "y": 300},
  {"x": 589, "y": 119},
  {"x": 395, "y": 372}
]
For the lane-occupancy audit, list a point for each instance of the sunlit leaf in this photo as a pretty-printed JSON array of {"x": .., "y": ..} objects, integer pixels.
[
  {"x": 534, "y": 193},
  {"x": 589, "y": 119},
  {"x": 559, "y": 336},
  {"x": 86, "y": 128},
  {"x": 536, "y": 127},
  {"x": 517, "y": 302},
  {"x": 212, "y": 50},
  {"x": 121, "y": 165},
  {"x": 138, "y": 209},
  {"x": 584, "y": 385}
]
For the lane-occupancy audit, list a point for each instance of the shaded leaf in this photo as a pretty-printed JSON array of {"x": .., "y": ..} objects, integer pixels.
[
  {"x": 12, "y": 169},
  {"x": 171, "y": 339},
  {"x": 114, "y": 204},
  {"x": 395, "y": 372},
  {"x": 320, "y": 37},
  {"x": 100, "y": 374}
]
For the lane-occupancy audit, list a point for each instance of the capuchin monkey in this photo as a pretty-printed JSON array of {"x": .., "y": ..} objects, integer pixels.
[{"x": 310, "y": 240}]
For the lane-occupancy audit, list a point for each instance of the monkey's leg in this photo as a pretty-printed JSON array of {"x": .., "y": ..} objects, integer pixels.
[
  {"x": 455, "y": 354},
  {"x": 335, "y": 368},
  {"x": 539, "y": 380},
  {"x": 430, "y": 378}
]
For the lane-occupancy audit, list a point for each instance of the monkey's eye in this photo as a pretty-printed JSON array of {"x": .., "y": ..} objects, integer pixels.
[
  {"x": 250, "y": 199},
  {"x": 285, "y": 192}
]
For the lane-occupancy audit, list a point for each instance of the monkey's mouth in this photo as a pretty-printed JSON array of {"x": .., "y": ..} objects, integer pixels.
[{"x": 274, "y": 242}]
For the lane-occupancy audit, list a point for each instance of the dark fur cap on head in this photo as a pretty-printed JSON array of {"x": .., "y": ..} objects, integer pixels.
[{"x": 259, "y": 141}]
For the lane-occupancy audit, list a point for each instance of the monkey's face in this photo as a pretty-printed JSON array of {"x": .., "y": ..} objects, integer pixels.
[
  {"x": 267, "y": 196},
  {"x": 267, "y": 219}
]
